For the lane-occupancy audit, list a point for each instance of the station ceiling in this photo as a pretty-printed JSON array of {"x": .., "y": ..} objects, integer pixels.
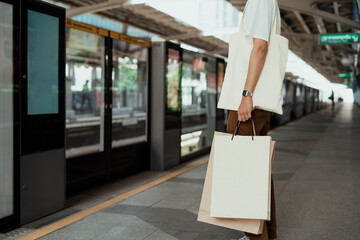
[{"x": 302, "y": 22}]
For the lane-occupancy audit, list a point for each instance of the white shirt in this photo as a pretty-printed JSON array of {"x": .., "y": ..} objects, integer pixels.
[{"x": 260, "y": 17}]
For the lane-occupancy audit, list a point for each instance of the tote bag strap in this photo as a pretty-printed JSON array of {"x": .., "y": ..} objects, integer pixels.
[
  {"x": 238, "y": 125},
  {"x": 275, "y": 26},
  {"x": 242, "y": 23}
]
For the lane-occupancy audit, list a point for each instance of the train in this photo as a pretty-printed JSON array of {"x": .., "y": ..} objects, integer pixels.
[{"x": 298, "y": 100}]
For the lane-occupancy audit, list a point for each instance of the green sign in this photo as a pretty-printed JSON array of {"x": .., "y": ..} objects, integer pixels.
[
  {"x": 339, "y": 38},
  {"x": 346, "y": 75},
  {"x": 349, "y": 84}
]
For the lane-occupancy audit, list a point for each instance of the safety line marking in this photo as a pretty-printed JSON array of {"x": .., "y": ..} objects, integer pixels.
[{"x": 87, "y": 212}]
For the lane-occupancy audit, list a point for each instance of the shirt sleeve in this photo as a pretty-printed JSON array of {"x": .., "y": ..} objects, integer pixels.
[{"x": 259, "y": 18}]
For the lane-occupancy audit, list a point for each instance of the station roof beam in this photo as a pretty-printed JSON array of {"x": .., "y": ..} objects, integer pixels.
[{"x": 98, "y": 7}]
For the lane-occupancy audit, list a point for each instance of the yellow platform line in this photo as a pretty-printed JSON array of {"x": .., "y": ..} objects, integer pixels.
[{"x": 85, "y": 213}]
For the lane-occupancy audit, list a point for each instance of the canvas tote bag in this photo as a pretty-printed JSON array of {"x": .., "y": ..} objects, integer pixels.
[
  {"x": 267, "y": 94},
  {"x": 245, "y": 225},
  {"x": 241, "y": 183}
]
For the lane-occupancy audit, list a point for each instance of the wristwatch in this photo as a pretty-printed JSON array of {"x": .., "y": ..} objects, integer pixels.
[{"x": 247, "y": 93}]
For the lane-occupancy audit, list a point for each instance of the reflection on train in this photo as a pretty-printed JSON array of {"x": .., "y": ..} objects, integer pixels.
[
  {"x": 85, "y": 93},
  {"x": 198, "y": 88},
  {"x": 85, "y": 66},
  {"x": 129, "y": 89}
]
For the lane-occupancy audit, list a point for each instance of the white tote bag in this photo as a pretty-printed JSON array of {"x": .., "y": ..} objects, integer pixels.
[
  {"x": 241, "y": 180},
  {"x": 268, "y": 91},
  {"x": 246, "y": 225}
]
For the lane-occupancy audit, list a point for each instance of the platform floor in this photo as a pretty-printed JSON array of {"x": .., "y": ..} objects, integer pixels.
[{"x": 317, "y": 184}]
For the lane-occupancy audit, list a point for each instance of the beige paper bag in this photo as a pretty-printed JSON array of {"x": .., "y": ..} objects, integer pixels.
[
  {"x": 245, "y": 225},
  {"x": 241, "y": 177}
]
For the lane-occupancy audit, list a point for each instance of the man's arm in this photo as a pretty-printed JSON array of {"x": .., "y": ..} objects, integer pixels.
[{"x": 256, "y": 64}]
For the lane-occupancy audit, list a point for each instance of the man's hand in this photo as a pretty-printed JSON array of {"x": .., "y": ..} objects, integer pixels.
[{"x": 245, "y": 108}]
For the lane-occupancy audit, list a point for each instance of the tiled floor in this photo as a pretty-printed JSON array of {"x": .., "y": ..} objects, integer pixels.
[{"x": 317, "y": 181}]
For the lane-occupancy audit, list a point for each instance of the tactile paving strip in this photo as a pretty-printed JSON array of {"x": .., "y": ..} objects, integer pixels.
[{"x": 19, "y": 232}]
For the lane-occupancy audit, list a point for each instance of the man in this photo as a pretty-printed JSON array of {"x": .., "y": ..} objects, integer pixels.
[
  {"x": 86, "y": 96},
  {"x": 259, "y": 19}
]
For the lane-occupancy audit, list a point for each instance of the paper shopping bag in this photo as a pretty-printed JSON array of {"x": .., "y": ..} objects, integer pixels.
[
  {"x": 241, "y": 181},
  {"x": 246, "y": 225}
]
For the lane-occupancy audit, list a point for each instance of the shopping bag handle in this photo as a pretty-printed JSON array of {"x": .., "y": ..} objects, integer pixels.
[{"x": 238, "y": 125}]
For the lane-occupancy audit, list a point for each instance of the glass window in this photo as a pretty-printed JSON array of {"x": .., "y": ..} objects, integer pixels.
[
  {"x": 6, "y": 110},
  {"x": 285, "y": 90},
  {"x": 316, "y": 95},
  {"x": 292, "y": 93},
  {"x": 198, "y": 86},
  {"x": 85, "y": 65},
  {"x": 308, "y": 93},
  {"x": 300, "y": 93},
  {"x": 129, "y": 87},
  {"x": 43, "y": 63},
  {"x": 173, "y": 71}
]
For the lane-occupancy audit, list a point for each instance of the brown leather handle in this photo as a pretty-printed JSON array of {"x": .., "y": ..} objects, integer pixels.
[{"x": 238, "y": 125}]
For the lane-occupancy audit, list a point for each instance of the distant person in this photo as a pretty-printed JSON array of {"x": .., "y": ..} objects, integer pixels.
[
  {"x": 86, "y": 96},
  {"x": 332, "y": 100},
  {"x": 259, "y": 20}
]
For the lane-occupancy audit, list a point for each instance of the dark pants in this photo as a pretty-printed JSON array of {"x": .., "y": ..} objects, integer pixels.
[{"x": 262, "y": 124}]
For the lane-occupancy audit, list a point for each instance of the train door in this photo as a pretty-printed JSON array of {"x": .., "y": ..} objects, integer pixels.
[
  {"x": 166, "y": 71},
  {"x": 42, "y": 161},
  {"x": 106, "y": 105},
  {"x": 173, "y": 100},
  {"x": 127, "y": 144},
  {"x": 85, "y": 105},
  {"x": 9, "y": 119},
  {"x": 198, "y": 103}
]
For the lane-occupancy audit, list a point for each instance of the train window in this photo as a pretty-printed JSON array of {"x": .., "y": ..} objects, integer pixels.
[
  {"x": 43, "y": 56},
  {"x": 284, "y": 90},
  {"x": 316, "y": 95},
  {"x": 129, "y": 88},
  {"x": 308, "y": 93},
  {"x": 300, "y": 93},
  {"x": 291, "y": 93},
  {"x": 198, "y": 87},
  {"x": 6, "y": 109},
  {"x": 84, "y": 93},
  {"x": 173, "y": 69}
]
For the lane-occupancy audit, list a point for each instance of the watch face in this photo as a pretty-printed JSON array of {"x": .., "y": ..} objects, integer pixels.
[{"x": 246, "y": 93}]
